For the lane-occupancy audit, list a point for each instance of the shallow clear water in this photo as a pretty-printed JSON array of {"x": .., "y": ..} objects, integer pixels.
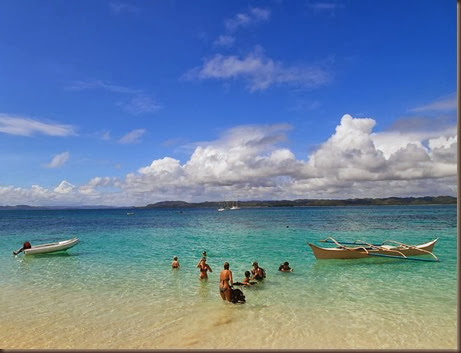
[{"x": 116, "y": 289}]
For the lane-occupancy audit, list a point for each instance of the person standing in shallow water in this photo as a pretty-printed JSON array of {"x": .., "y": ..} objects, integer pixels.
[
  {"x": 225, "y": 283},
  {"x": 204, "y": 267},
  {"x": 257, "y": 272},
  {"x": 175, "y": 263}
]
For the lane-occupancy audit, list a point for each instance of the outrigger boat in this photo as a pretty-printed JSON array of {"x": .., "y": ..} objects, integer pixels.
[
  {"x": 360, "y": 249},
  {"x": 47, "y": 248}
]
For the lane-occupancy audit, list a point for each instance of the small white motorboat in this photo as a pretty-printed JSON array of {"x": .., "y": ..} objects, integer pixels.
[{"x": 48, "y": 248}]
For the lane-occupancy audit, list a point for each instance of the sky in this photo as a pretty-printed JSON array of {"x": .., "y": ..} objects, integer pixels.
[{"x": 127, "y": 103}]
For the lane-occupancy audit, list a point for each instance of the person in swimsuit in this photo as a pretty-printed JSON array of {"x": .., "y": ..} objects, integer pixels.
[
  {"x": 225, "y": 283},
  {"x": 257, "y": 272},
  {"x": 204, "y": 267},
  {"x": 175, "y": 263}
]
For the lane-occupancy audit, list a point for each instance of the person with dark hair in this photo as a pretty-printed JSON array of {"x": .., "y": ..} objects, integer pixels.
[
  {"x": 246, "y": 280},
  {"x": 258, "y": 272},
  {"x": 225, "y": 283},
  {"x": 285, "y": 267},
  {"x": 175, "y": 263},
  {"x": 204, "y": 267}
]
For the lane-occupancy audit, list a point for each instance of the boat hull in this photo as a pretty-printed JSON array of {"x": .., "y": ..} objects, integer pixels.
[
  {"x": 52, "y": 247},
  {"x": 359, "y": 252}
]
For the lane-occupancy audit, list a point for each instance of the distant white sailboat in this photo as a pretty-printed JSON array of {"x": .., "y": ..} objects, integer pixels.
[
  {"x": 221, "y": 208},
  {"x": 235, "y": 206}
]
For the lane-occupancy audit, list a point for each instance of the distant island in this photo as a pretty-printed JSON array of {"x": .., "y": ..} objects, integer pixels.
[
  {"x": 390, "y": 201},
  {"x": 426, "y": 200},
  {"x": 27, "y": 207}
]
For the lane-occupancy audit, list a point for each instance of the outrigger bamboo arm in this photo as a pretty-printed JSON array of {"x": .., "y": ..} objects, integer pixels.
[
  {"x": 333, "y": 240},
  {"x": 405, "y": 258},
  {"x": 361, "y": 247},
  {"x": 356, "y": 242},
  {"x": 412, "y": 247},
  {"x": 378, "y": 247}
]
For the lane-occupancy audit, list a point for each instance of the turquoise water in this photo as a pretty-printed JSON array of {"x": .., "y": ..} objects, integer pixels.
[{"x": 116, "y": 289}]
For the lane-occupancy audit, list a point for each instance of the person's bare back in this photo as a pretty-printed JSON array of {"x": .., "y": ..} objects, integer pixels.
[{"x": 225, "y": 282}]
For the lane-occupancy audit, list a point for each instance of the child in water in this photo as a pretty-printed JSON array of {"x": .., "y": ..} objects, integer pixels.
[{"x": 246, "y": 280}]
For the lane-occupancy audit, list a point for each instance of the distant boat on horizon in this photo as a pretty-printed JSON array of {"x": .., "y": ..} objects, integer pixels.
[
  {"x": 221, "y": 208},
  {"x": 235, "y": 206}
]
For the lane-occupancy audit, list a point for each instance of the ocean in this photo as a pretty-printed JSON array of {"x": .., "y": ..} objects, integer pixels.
[{"x": 116, "y": 288}]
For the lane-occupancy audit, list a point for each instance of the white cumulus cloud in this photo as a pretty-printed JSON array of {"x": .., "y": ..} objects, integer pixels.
[{"x": 252, "y": 162}]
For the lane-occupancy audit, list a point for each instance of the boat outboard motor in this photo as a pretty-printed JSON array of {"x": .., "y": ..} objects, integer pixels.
[{"x": 26, "y": 245}]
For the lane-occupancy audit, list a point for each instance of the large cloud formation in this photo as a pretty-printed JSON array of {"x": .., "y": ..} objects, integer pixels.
[{"x": 250, "y": 162}]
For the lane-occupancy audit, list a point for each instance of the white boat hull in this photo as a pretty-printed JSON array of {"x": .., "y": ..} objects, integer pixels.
[{"x": 52, "y": 247}]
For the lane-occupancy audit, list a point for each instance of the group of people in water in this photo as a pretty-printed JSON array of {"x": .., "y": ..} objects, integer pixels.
[{"x": 226, "y": 281}]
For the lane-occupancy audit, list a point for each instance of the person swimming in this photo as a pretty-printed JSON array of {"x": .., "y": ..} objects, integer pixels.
[
  {"x": 175, "y": 263},
  {"x": 285, "y": 267},
  {"x": 204, "y": 267},
  {"x": 225, "y": 283}
]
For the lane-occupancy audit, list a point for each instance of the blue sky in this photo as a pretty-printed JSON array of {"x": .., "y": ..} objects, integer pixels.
[{"x": 134, "y": 102}]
